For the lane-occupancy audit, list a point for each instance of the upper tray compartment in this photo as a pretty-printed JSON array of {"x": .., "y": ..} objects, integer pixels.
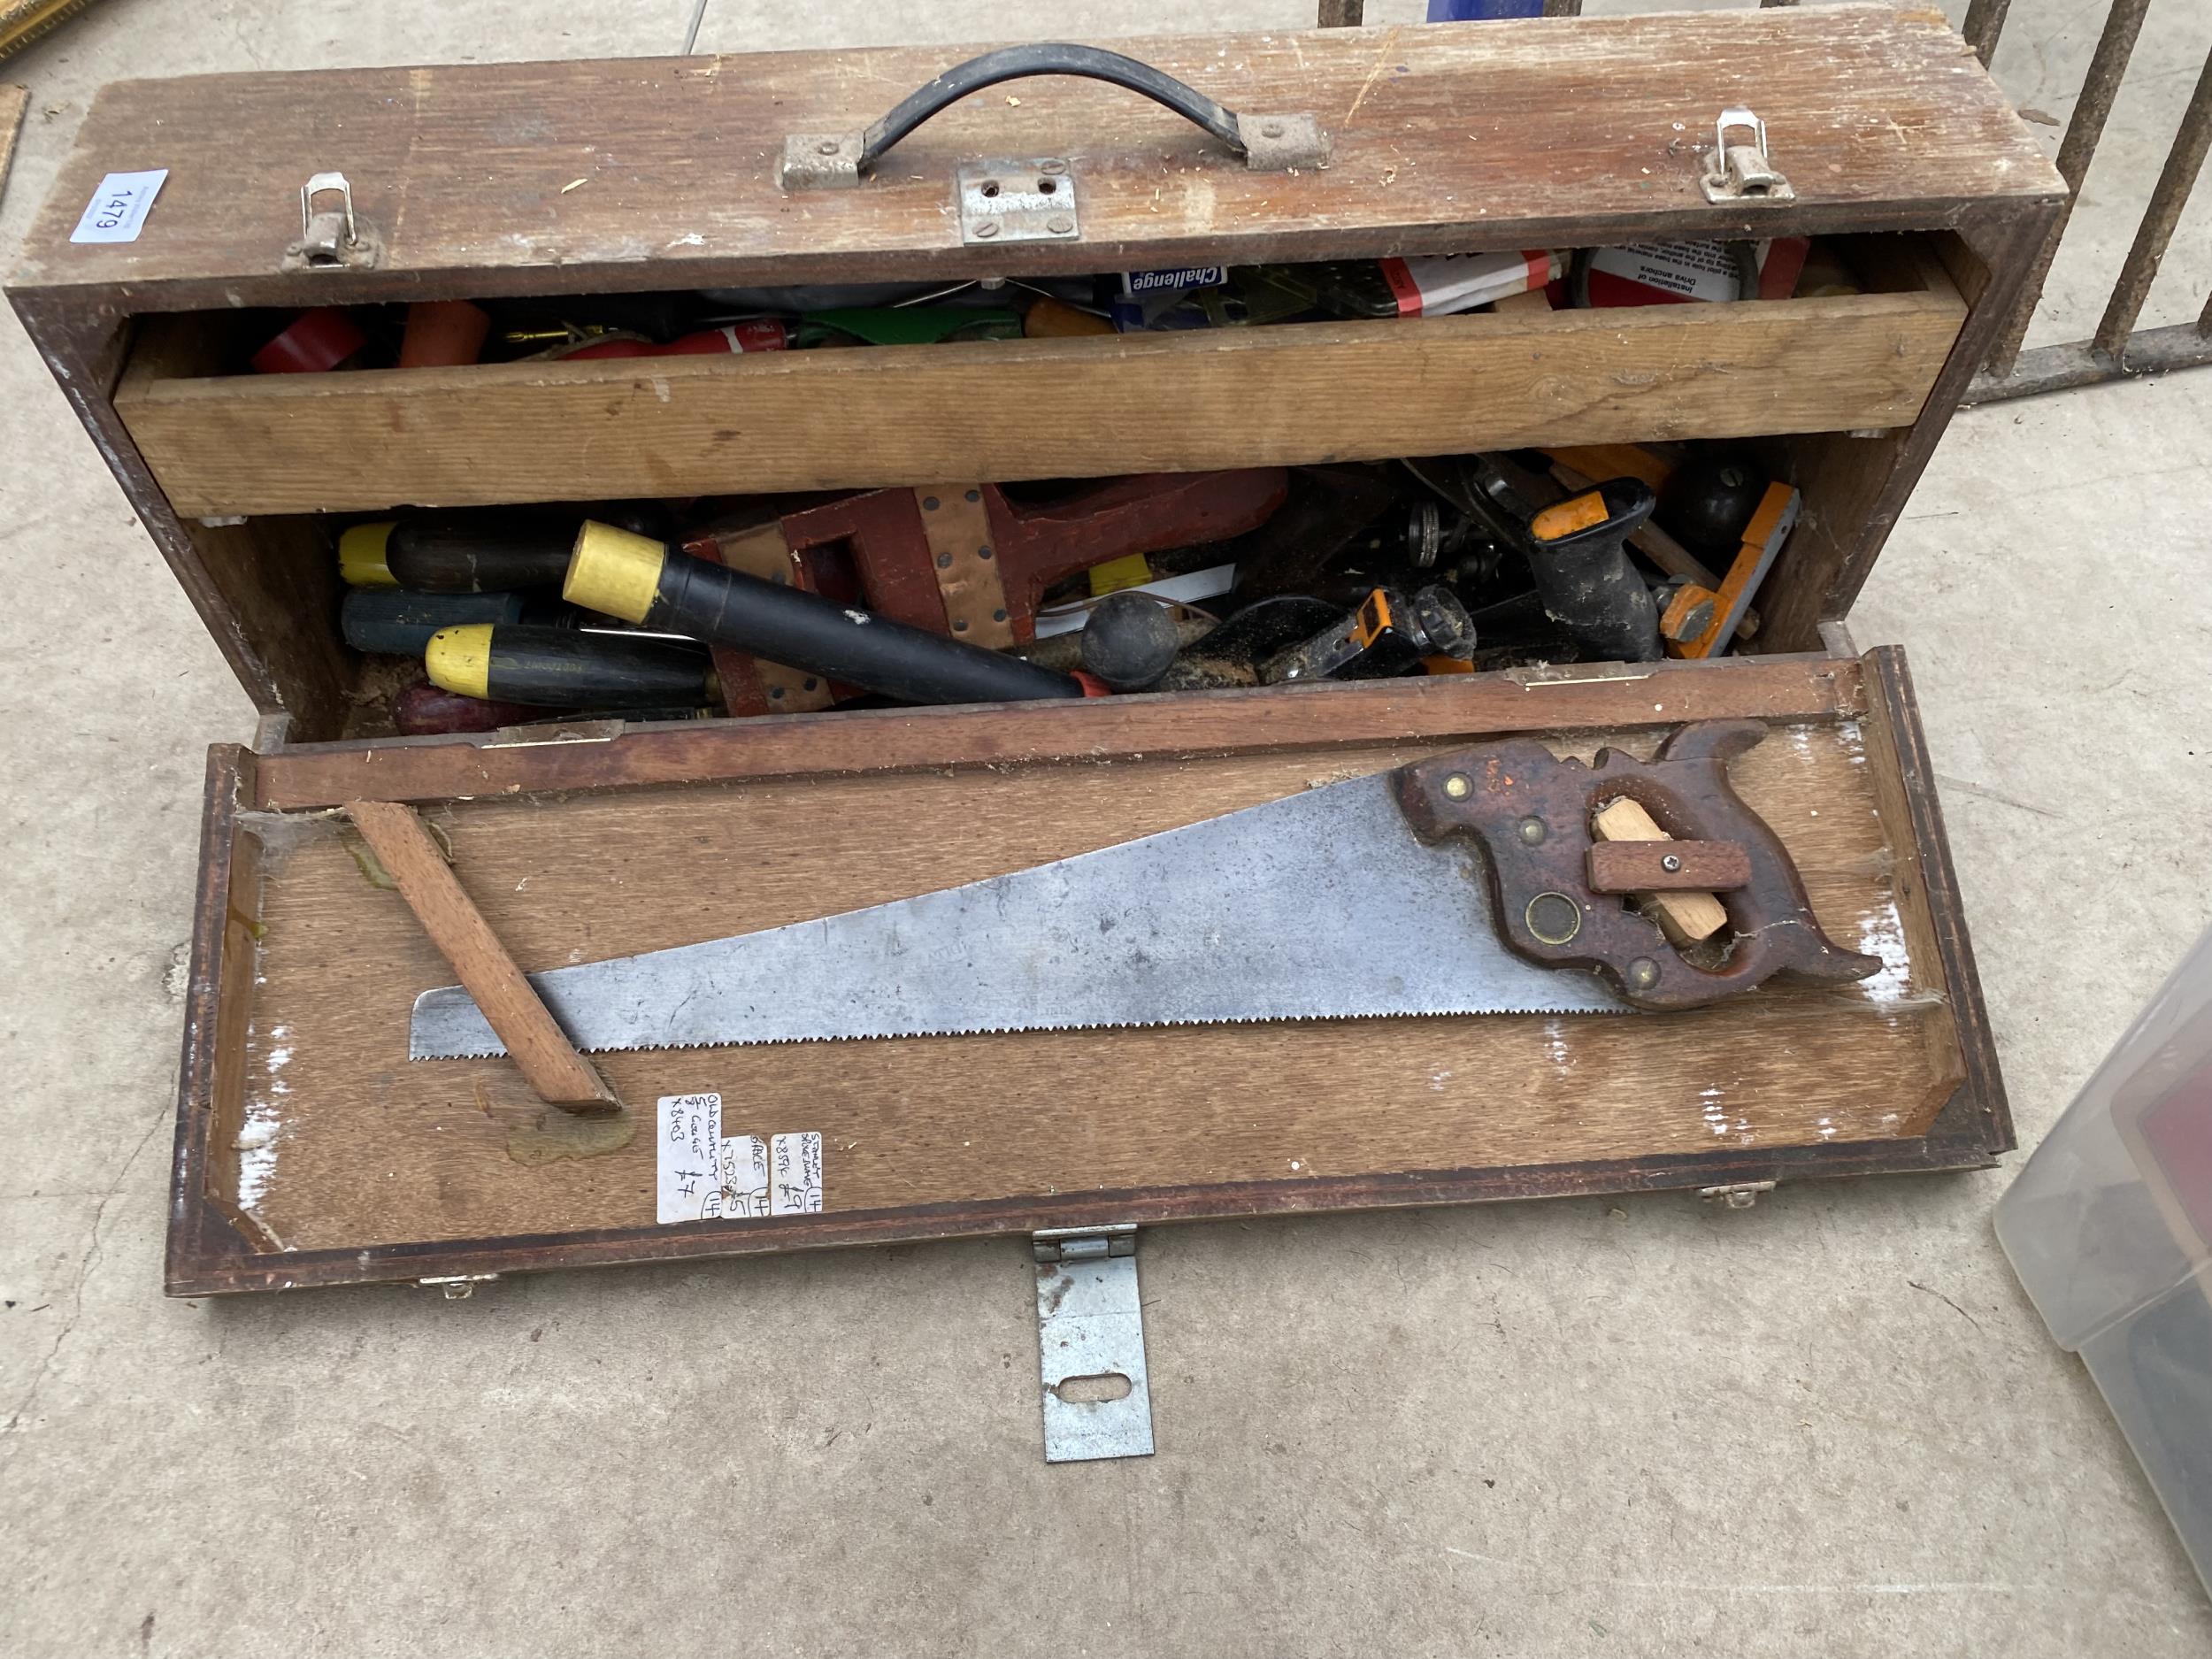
[
  {"x": 663, "y": 172},
  {"x": 1289, "y": 394}
]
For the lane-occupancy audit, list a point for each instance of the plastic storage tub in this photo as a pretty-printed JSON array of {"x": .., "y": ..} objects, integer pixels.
[{"x": 2109, "y": 1227}]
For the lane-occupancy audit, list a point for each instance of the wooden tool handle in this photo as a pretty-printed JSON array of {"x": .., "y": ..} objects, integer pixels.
[
  {"x": 1533, "y": 813},
  {"x": 549, "y": 1062},
  {"x": 1685, "y": 917}
]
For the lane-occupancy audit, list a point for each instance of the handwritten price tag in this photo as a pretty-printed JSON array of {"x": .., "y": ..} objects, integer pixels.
[
  {"x": 118, "y": 210},
  {"x": 705, "y": 1175},
  {"x": 690, "y": 1157},
  {"x": 795, "y": 1174}
]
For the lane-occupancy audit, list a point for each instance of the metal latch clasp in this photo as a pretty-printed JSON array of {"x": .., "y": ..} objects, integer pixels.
[
  {"x": 330, "y": 239},
  {"x": 1743, "y": 173}
]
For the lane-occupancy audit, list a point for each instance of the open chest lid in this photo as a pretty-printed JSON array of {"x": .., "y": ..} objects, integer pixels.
[
  {"x": 564, "y": 177},
  {"x": 313, "y": 1150}
]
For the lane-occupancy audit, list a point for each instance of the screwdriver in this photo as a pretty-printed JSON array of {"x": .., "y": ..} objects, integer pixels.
[
  {"x": 567, "y": 668},
  {"x": 476, "y": 552},
  {"x": 639, "y": 579},
  {"x": 399, "y": 622}
]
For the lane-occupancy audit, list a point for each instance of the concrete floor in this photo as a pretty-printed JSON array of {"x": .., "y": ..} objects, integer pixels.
[{"x": 1829, "y": 1425}]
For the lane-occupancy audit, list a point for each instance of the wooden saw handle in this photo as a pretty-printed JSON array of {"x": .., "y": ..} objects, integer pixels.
[{"x": 1533, "y": 811}]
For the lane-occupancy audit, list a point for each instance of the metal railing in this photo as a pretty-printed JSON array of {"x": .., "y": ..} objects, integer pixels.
[{"x": 2116, "y": 349}]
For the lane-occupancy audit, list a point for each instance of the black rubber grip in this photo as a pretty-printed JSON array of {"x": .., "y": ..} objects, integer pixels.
[
  {"x": 396, "y": 622},
  {"x": 500, "y": 549},
  {"x": 563, "y": 668},
  {"x": 802, "y": 630},
  {"x": 1589, "y": 584},
  {"x": 1016, "y": 63},
  {"x": 433, "y": 556}
]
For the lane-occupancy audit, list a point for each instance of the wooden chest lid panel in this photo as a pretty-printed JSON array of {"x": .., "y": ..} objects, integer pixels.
[
  {"x": 662, "y": 171},
  {"x": 335, "y": 1158},
  {"x": 368, "y": 1148}
]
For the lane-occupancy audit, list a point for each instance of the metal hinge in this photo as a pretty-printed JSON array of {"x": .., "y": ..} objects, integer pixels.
[
  {"x": 458, "y": 1286},
  {"x": 1743, "y": 1196},
  {"x": 1090, "y": 1344},
  {"x": 1742, "y": 172}
]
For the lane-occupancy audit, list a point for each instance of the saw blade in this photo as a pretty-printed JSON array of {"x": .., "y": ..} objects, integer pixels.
[{"x": 1323, "y": 905}]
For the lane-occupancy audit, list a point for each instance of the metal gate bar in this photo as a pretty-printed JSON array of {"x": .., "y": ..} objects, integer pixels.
[
  {"x": 2098, "y": 88},
  {"x": 1985, "y": 22},
  {"x": 2116, "y": 349}
]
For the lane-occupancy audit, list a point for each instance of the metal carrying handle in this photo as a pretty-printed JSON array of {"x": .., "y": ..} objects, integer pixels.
[
  {"x": 1018, "y": 63},
  {"x": 1268, "y": 143}
]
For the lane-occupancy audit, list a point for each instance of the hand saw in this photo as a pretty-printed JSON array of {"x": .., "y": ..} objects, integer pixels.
[{"x": 1350, "y": 901}]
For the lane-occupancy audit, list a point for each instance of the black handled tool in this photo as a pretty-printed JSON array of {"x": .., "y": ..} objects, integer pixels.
[
  {"x": 642, "y": 581},
  {"x": 479, "y": 551},
  {"x": 1578, "y": 554},
  {"x": 1389, "y": 633},
  {"x": 567, "y": 668},
  {"x": 399, "y": 622}
]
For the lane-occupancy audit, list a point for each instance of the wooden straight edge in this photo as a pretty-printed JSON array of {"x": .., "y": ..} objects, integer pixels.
[
  {"x": 1208, "y": 723},
  {"x": 1303, "y": 393},
  {"x": 240, "y": 1270},
  {"x": 1979, "y": 1111},
  {"x": 201, "y": 1228},
  {"x": 1914, "y": 908},
  {"x": 540, "y": 1049}
]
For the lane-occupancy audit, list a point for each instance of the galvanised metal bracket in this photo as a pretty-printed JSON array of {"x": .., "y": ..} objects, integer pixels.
[{"x": 1090, "y": 1344}]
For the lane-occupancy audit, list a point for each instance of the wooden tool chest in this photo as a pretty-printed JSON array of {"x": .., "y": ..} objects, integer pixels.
[{"x": 311, "y": 1151}]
